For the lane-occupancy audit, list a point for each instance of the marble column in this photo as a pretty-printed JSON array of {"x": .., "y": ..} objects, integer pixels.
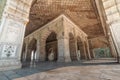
[
  {"x": 13, "y": 25},
  {"x": 63, "y": 50},
  {"x": 26, "y": 50},
  {"x": 88, "y": 49},
  {"x": 11, "y": 41},
  {"x": 85, "y": 53},
  {"x": 114, "y": 28},
  {"x": 42, "y": 52},
  {"x": 38, "y": 50},
  {"x": 28, "y": 55},
  {"x": 77, "y": 51},
  {"x": 113, "y": 21},
  {"x": 112, "y": 46}
]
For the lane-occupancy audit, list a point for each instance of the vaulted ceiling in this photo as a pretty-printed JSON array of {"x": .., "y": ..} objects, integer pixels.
[{"x": 82, "y": 12}]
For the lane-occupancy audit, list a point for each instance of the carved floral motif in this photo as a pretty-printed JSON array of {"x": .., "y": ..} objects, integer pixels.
[{"x": 8, "y": 51}]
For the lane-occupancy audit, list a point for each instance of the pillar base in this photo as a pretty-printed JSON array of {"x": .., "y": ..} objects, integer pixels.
[
  {"x": 67, "y": 59},
  {"x": 9, "y": 64},
  {"x": 64, "y": 59},
  {"x": 118, "y": 59},
  {"x": 61, "y": 59},
  {"x": 42, "y": 57}
]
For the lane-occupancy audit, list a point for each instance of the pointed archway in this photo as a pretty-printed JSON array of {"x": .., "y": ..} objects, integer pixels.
[
  {"x": 51, "y": 47},
  {"x": 23, "y": 55},
  {"x": 32, "y": 47},
  {"x": 80, "y": 49},
  {"x": 72, "y": 46}
]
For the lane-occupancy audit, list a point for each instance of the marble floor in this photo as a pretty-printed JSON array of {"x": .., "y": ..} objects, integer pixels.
[{"x": 64, "y": 71}]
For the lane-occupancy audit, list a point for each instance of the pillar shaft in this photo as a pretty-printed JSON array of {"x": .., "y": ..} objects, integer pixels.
[
  {"x": 85, "y": 53},
  {"x": 25, "y": 54},
  {"x": 38, "y": 50},
  {"x": 88, "y": 50},
  {"x": 63, "y": 50},
  {"x": 76, "y": 50},
  {"x": 113, "y": 50}
]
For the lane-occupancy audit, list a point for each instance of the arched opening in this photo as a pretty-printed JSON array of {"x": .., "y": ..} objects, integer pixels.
[
  {"x": 72, "y": 47},
  {"x": 23, "y": 55},
  {"x": 31, "y": 53},
  {"x": 51, "y": 47},
  {"x": 80, "y": 49}
]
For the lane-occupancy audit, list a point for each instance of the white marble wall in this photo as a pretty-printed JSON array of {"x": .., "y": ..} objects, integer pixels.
[
  {"x": 112, "y": 10},
  {"x": 12, "y": 28}
]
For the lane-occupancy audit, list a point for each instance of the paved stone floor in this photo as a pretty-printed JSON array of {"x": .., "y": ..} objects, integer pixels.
[{"x": 64, "y": 71}]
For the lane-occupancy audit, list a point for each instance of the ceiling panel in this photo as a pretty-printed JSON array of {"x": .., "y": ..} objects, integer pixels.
[{"x": 81, "y": 12}]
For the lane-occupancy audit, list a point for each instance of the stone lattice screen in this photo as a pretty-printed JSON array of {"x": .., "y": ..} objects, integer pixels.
[{"x": 102, "y": 53}]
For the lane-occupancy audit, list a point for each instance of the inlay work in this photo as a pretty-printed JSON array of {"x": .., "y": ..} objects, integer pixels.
[{"x": 8, "y": 51}]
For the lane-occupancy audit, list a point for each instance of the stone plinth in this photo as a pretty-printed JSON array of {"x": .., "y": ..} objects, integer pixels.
[{"x": 9, "y": 64}]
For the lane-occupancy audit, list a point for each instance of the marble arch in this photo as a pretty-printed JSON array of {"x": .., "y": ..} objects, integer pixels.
[
  {"x": 44, "y": 37},
  {"x": 32, "y": 47},
  {"x": 51, "y": 47}
]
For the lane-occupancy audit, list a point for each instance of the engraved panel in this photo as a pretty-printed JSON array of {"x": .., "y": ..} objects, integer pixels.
[
  {"x": 8, "y": 51},
  {"x": 12, "y": 31}
]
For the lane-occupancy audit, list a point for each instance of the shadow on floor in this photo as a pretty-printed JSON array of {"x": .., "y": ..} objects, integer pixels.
[{"x": 37, "y": 67}]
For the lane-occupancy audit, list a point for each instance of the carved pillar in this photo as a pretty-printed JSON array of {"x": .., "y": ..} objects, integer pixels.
[
  {"x": 13, "y": 25},
  {"x": 76, "y": 50},
  {"x": 114, "y": 29},
  {"x": 114, "y": 53},
  {"x": 114, "y": 23},
  {"x": 28, "y": 55},
  {"x": 42, "y": 51},
  {"x": 63, "y": 50},
  {"x": 81, "y": 52},
  {"x": 85, "y": 53},
  {"x": 38, "y": 50},
  {"x": 75, "y": 44},
  {"x": 88, "y": 50},
  {"x": 25, "y": 54}
]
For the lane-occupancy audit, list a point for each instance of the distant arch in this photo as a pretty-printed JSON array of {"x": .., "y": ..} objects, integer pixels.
[
  {"x": 51, "y": 47},
  {"x": 72, "y": 47},
  {"x": 80, "y": 48},
  {"x": 32, "y": 47}
]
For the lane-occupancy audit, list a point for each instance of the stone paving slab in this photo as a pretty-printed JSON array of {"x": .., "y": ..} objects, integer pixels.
[
  {"x": 64, "y": 71},
  {"x": 3, "y": 77},
  {"x": 11, "y": 74}
]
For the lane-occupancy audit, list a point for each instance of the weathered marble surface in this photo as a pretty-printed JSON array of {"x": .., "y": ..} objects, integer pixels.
[
  {"x": 112, "y": 14},
  {"x": 77, "y": 73},
  {"x": 64, "y": 71},
  {"x": 12, "y": 28}
]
